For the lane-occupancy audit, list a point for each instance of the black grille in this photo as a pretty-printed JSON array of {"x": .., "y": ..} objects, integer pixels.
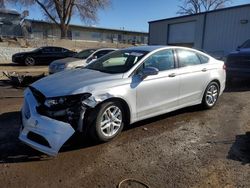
[
  {"x": 38, "y": 95},
  {"x": 38, "y": 138}
]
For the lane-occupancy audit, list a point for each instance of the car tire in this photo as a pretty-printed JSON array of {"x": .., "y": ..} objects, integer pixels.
[
  {"x": 29, "y": 61},
  {"x": 211, "y": 95},
  {"x": 108, "y": 121}
]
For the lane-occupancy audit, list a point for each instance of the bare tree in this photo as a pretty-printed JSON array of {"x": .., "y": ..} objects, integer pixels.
[
  {"x": 61, "y": 11},
  {"x": 197, "y": 6}
]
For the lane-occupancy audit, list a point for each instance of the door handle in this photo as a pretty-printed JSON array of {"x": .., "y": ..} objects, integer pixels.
[
  {"x": 204, "y": 70},
  {"x": 172, "y": 75}
]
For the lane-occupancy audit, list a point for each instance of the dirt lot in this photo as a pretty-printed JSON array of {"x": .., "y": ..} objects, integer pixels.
[
  {"x": 186, "y": 148},
  {"x": 35, "y": 70}
]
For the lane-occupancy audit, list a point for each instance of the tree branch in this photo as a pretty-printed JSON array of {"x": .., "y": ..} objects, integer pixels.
[
  {"x": 44, "y": 8},
  {"x": 69, "y": 15},
  {"x": 196, "y": 6}
]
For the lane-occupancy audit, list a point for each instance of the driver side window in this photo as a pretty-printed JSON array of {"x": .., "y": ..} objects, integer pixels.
[{"x": 162, "y": 60}]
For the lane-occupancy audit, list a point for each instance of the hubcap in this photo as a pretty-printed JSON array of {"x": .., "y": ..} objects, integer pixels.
[
  {"x": 111, "y": 121},
  {"x": 211, "y": 95},
  {"x": 29, "y": 61}
]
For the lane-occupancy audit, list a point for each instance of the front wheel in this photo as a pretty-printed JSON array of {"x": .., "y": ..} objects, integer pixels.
[
  {"x": 211, "y": 95},
  {"x": 108, "y": 121},
  {"x": 29, "y": 61}
]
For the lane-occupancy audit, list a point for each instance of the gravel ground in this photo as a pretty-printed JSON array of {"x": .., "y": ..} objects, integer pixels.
[{"x": 186, "y": 148}]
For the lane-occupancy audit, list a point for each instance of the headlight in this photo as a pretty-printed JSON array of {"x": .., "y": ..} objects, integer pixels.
[
  {"x": 65, "y": 101},
  {"x": 61, "y": 67},
  {"x": 73, "y": 65}
]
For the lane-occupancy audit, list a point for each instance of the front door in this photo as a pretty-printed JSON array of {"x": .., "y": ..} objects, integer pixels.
[{"x": 157, "y": 94}]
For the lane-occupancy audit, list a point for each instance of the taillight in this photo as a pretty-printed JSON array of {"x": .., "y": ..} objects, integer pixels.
[{"x": 224, "y": 66}]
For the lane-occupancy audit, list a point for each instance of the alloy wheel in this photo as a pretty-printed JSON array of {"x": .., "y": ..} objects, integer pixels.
[
  {"x": 212, "y": 95},
  {"x": 29, "y": 61},
  {"x": 111, "y": 121}
]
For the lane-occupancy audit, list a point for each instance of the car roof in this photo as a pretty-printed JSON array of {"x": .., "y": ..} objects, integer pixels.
[
  {"x": 52, "y": 47},
  {"x": 147, "y": 48},
  {"x": 106, "y": 49},
  {"x": 150, "y": 48}
]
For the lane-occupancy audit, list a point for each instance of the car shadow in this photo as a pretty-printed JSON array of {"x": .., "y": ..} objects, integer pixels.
[
  {"x": 240, "y": 150},
  {"x": 238, "y": 85},
  {"x": 11, "y": 64},
  {"x": 12, "y": 150},
  {"x": 7, "y": 83},
  {"x": 190, "y": 109}
]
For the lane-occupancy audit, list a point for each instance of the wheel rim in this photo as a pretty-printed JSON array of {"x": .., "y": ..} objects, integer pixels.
[
  {"x": 29, "y": 61},
  {"x": 111, "y": 121},
  {"x": 212, "y": 95}
]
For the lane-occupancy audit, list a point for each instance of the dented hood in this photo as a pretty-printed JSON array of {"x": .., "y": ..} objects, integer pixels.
[{"x": 73, "y": 82}]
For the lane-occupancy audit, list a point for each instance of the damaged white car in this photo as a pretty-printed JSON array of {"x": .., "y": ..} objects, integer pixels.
[{"x": 118, "y": 89}]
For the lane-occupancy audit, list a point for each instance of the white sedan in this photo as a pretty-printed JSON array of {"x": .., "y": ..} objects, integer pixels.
[{"x": 120, "y": 88}]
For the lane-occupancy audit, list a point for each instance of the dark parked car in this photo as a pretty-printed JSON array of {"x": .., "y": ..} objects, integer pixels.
[
  {"x": 238, "y": 62},
  {"x": 245, "y": 46},
  {"x": 43, "y": 55}
]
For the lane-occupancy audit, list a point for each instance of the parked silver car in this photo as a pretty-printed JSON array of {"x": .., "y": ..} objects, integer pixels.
[
  {"x": 120, "y": 88},
  {"x": 81, "y": 59}
]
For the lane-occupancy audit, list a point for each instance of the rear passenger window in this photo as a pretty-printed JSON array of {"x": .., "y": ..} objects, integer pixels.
[
  {"x": 48, "y": 50},
  {"x": 162, "y": 60},
  {"x": 203, "y": 58},
  {"x": 187, "y": 58},
  {"x": 58, "y": 50}
]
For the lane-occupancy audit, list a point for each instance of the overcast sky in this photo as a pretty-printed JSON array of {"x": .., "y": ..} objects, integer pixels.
[{"x": 128, "y": 14}]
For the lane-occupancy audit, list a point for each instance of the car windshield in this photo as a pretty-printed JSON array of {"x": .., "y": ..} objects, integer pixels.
[
  {"x": 84, "y": 54},
  {"x": 117, "y": 62}
]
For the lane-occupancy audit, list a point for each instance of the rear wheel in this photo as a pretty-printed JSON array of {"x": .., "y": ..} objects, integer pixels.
[
  {"x": 29, "y": 61},
  {"x": 108, "y": 121},
  {"x": 211, "y": 95}
]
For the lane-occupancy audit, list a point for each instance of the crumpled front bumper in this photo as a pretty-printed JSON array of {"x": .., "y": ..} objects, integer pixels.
[{"x": 40, "y": 132}]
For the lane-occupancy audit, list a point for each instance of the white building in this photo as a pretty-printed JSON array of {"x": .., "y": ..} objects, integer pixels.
[
  {"x": 13, "y": 25},
  {"x": 217, "y": 32},
  {"x": 43, "y": 30}
]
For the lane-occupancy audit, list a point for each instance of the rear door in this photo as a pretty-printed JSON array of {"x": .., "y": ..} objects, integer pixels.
[
  {"x": 47, "y": 55},
  {"x": 44, "y": 55},
  {"x": 59, "y": 53},
  {"x": 194, "y": 75}
]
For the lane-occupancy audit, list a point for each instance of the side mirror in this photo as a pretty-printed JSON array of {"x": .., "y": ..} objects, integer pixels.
[
  {"x": 148, "y": 71},
  {"x": 94, "y": 57}
]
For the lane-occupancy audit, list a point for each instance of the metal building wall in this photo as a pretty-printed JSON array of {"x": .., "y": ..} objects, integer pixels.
[
  {"x": 224, "y": 30},
  {"x": 159, "y": 30},
  {"x": 158, "y": 33},
  {"x": 216, "y": 32}
]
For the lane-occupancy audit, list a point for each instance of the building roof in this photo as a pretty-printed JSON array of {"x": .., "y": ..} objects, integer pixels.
[
  {"x": 88, "y": 27},
  {"x": 8, "y": 11},
  {"x": 217, "y": 10}
]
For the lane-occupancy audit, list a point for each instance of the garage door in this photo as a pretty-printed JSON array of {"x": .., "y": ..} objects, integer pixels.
[{"x": 182, "y": 33}]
